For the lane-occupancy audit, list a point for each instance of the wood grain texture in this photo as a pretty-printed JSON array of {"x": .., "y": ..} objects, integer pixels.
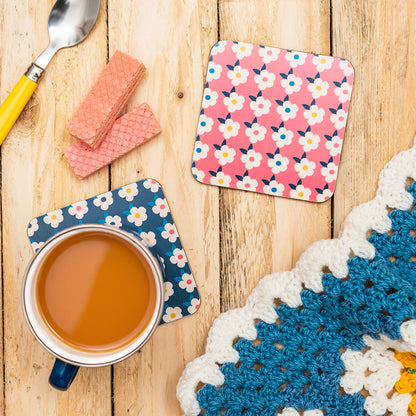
[
  {"x": 35, "y": 179},
  {"x": 259, "y": 233},
  {"x": 378, "y": 38},
  {"x": 173, "y": 40}
]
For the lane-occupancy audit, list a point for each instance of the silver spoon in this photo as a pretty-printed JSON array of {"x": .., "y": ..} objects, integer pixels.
[{"x": 70, "y": 21}]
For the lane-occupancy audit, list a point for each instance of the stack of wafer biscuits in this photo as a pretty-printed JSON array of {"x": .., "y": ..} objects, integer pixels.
[{"x": 101, "y": 138}]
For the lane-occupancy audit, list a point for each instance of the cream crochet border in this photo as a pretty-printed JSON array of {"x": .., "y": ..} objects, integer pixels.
[{"x": 287, "y": 285}]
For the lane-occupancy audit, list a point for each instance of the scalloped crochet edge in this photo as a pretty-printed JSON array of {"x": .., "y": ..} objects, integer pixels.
[{"x": 307, "y": 274}]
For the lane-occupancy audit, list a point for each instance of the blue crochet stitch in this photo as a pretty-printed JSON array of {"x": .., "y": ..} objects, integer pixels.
[{"x": 296, "y": 362}]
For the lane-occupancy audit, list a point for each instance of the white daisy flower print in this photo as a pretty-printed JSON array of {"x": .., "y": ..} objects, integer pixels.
[
  {"x": 219, "y": 47},
  {"x": 313, "y": 114},
  {"x": 152, "y": 185},
  {"x": 229, "y": 128},
  {"x": 33, "y": 227},
  {"x": 255, "y": 132},
  {"x": 251, "y": 159},
  {"x": 291, "y": 84},
  {"x": 317, "y": 87},
  {"x": 274, "y": 188},
  {"x": 224, "y": 154},
  {"x": 199, "y": 175},
  {"x": 200, "y": 150},
  {"x": 309, "y": 141},
  {"x": 187, "y": 283},
  {"x": 242, "y": 50},
  {"x": 282, "y": 136},
  {"x": 334, "y": 145},
  {"x": 237, "y": 75},
  {"x": 260, "y": 106},
  {"x": 115, "y": 220},
  {"x": 220, "y": 179},
  {"x": 149, "y": 239},
  {"x": 322, "y": 62},
  {"x": 346, "y": 67},
  {"x": 338, "y": 118},
  {"x": 103, "y": 201},
  {"x": 330, "y": 171},
  {"x": 264, "y": 79},
  {"x": 37, "y": 245},
  {"x": 324, "y": 196},
  {"x": 161, "y": 207},
  {"x": 286, "y": 110},
  {"x": 128, "y": 192},
  {"x": 209, "y": 98},
  {"x": 53, "y": 218},
  {"x": 170, "y": 233},
  {"x": 205, "y": 124},
  {"x": 277, "y": 162},
  {"x": 295, "y": 58},
  {"x": 234, "y": 102},
  {"x": 178, "y": 257},
  {"x": 168, "y": 286},
  {"x": 172, "y": 314},
  {"x": 214, "y": 71},
  {"x": 248, "y": 184},
  {"x": 343, "y": 91},
  {"x": 304, "y": 167},
  {"x": 269, "y": 54},
  {"x": 78, "y": 210},
  {"x": 195, "y": 303},
  {"x": 137, "y": 216},
  {"x": 300, "y": 192}
]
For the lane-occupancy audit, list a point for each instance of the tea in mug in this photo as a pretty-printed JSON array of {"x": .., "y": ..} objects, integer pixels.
[{"x": 95, "y": 291}]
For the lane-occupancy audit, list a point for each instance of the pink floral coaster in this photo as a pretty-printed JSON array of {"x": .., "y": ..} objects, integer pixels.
[{"x": 272, "y": 121}]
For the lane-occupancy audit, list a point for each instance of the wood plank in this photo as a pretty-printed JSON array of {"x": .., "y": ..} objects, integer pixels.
[
  {"x": 262, "y": 234},
  {"x": 381, "y": 120},
  {"x": 173, "y": 40},
  {"x": 36, "y": 179}
]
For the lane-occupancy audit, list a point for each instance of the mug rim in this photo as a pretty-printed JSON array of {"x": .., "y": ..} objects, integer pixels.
[{"x": 95, "y": 359}]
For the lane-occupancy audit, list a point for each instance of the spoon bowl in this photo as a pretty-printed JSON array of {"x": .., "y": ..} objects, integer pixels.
[{"x": 69, "y": 23}]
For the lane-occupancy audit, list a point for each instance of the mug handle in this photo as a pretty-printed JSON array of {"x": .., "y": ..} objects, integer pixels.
[{"x": 62, "y": 375}]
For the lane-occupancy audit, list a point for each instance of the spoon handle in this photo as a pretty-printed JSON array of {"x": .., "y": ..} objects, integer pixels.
[{"x": 14, "y": 104}]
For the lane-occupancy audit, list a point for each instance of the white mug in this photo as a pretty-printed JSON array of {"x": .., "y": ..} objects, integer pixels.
[{"x": 68, "y": 358}]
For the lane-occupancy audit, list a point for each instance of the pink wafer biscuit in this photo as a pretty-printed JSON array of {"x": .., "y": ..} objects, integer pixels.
[
  {"x": 105, "y": 101},
  {"x": 128, "y": 132}
]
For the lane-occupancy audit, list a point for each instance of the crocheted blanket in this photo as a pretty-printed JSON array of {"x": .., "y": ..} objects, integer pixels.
[{"x": 336, "y": 335}]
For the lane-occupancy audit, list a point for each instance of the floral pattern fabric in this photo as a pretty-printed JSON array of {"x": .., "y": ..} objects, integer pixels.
[
  {"x": 272, "y": 121},
  {"x": 140, "y": 207}
]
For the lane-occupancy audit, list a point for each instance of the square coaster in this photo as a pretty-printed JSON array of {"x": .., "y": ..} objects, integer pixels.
[
  {"x": 272, "y": 121},
  {"x": 140, "y": 207}
]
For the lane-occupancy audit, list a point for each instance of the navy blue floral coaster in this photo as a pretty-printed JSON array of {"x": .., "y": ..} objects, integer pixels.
[{"x": 141, "y": 207}]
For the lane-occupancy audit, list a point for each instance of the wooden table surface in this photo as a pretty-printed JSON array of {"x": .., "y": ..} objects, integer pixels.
[{"x": 232, "y": 238}]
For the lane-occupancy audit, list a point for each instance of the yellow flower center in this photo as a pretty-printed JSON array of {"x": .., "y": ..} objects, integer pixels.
[
  {"x": 221, "y": 181},
  {"x": 305, "y": 167},
  {"x": 53, "y": 217},
  {"x": 407, "y": 379},
  {"x": 242, "y": 48},
  {"x": 318, "y": 88},
  {"x": 300, "y": 194},
  {"x": 128, "y": 190},
  {"x": 323, "y": 61},
  {"x": 234, "y": 102},
  {"x": 173, "y": 315},
  {"x": 229, "y": 128},
  {"x": 137, "y": 215},
  {"x": 225, "y": 154},
  {"x": 309, "y": 141},
  {"x": 238, "y": 75},
  {"x": 314, "y": 114}
]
